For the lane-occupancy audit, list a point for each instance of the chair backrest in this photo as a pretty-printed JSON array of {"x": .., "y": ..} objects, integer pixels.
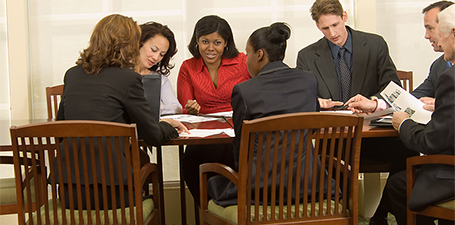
[
  {"x": 53, "y": 97},
  {"x": 263, "y": 161},
  {"x": 438, "y": 211},
  {"x": 406, "y": 79},
  {"x": 79, "y": 153}
]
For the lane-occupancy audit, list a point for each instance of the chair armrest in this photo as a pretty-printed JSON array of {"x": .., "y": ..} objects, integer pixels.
[
  {"x": 218, "y": 168},
  {"x": 431, "y": 159},
  {"x": 6, "y": 160},
  {"x": 146, "y": 170},
  {"x": 221, "y": 169},
  {"x": 412, "y": 163}
]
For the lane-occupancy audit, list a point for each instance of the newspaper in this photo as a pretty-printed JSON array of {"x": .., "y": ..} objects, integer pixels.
[{"x": 401, "y": 100}]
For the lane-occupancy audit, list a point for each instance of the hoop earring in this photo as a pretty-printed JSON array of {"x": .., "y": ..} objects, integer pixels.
[
  {"x": 197, "y": 46},
  {"x": 226, "y": 48}
]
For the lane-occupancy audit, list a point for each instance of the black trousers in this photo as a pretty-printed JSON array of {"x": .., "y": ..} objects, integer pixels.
[
  {"x": 396, "y": 193},
  {"x": 387, "y": 150},
  {"x": 196, "y": 155}
]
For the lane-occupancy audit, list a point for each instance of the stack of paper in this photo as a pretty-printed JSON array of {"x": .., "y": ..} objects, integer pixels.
[
  {"x": 186, "y": 118},
  {"x": 208, "y": 132}
]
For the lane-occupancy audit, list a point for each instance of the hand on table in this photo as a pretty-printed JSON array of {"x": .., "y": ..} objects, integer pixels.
[
  {"x": 429, "y": 103},
  {"x": 398, "y": 118},
  {"x": 361, "y": 104},
  {"x": 328, "y": 103},
  {"x": 176, "y": 124},
  {"x": 192, "y": 107}
]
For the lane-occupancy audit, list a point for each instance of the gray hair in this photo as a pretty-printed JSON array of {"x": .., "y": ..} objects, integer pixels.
[{"x": 447, "y": 20}]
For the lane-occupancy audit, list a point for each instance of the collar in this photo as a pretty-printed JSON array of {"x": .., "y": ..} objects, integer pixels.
[
  {"x": 348, "y": 45},
  {"x": 273, "y": 67},
  {"x": 224, "y": 62}
]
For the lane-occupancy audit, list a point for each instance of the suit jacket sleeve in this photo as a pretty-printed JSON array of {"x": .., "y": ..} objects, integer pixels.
[
  {"x": 301, "y": 62},
  {"x": 428, "y": 87},
  {"x": 152, "y": 131},
  {"x": 386, "y": 68},
  {"x": 240, "y": 111},
  {"x": 438, "y": 135}
]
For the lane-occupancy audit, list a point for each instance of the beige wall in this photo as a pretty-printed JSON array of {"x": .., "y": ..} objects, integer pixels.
[{"x": 18, "y": 58}]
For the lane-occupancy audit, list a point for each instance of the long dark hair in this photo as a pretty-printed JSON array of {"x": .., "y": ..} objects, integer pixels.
[
  {"x": 272, "y": 40},
  {"x": 210, "y": 24},
  {"x": 150, "y": 30}
]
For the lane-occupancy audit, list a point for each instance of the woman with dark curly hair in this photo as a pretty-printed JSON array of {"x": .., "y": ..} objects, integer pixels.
[{"x": 157, "y": 46}]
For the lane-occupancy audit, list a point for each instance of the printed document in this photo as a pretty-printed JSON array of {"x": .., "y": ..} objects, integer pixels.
[{"x": 401, "y": 100}]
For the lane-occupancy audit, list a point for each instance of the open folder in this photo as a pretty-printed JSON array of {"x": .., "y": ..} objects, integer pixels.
[{"x": 401, "y": 100}]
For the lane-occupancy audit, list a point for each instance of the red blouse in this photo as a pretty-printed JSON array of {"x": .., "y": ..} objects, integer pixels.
[{"x": 194, "y": 82}]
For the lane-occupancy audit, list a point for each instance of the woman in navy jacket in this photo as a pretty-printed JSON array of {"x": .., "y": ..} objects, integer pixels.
[{"x": 274, "y": 89}]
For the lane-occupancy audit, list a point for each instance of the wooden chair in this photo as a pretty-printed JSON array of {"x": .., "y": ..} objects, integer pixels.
[
  {"x": 406, "y": 79},
  {"x": 444, "y": 210},
  {"x": 119, "y": 143},
  {"x": 341, "y": 164},
  {"x": 8, "y": 201},
  {"x": 53, "y": 97}
]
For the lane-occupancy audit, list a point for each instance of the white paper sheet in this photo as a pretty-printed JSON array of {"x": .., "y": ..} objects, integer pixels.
[
  {"x": 220, "y": 114},
  {"x": 208, "y": 132},
  {"x": 185, "y": 118}
]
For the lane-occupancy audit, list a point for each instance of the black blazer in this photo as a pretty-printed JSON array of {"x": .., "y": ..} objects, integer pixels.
[
  {"x": 434, "y": 183},
  {"x": 428, "y": 87},
  {"x": 277, "y": 89},
  {"x": 114, "y": 95},
  {"x": 372, "y": 67}
]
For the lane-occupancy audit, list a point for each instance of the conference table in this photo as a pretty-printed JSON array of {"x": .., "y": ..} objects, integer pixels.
[{"x": 220, "y": 123}]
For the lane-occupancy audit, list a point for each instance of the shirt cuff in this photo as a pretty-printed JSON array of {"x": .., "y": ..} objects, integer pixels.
[{"x": 382, "y": 105}]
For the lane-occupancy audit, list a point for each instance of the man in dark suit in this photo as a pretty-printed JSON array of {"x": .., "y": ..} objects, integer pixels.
[
  {"x": 369, "y": 70},
  {"x": 434, "y": 183},
  {"x": 366, "y": 55},
  {"x": 426, "y": 91}
]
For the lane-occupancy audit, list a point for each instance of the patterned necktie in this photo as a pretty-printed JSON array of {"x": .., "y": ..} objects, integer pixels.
[{"x": 345, "y": 74}]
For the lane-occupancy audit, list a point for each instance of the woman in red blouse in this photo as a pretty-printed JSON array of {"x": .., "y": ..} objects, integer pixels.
[
  {"x": 204, "y": 85},
  {"x": 205, "y": 82}
]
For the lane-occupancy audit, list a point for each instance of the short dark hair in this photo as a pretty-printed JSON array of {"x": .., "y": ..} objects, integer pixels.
[
  {"x": 272, "y": 40},
  {"x": 210, "y": 24},
  {"x": 150, "y": 30},
  {"x": 323, "y": 7},
  {"x": 441, "y": 5}
]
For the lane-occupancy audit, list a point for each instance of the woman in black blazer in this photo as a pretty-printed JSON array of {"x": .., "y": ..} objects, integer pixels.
[
  {"x": 102, "y": 86},
  {"x": 274, "y": 89}
]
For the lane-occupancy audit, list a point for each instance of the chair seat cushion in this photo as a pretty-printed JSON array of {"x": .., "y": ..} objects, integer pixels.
[
  {"x": 8, "y": 191},
  {"x": 230, "y": 212},
  {"x": 147, "y": 207},
  {"x": 448, "y": 205}
]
